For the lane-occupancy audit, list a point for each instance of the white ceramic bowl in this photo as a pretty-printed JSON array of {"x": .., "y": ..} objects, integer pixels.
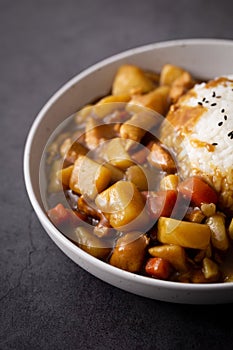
[{"x": 204, "y": 58}]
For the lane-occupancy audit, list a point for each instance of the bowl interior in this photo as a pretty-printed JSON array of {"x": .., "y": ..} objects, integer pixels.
[{"x": 203, "y": 58}]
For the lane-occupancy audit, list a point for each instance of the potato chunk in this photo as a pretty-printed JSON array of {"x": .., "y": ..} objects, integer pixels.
[
  {"x": 70, "y": 150},
  {"x": 208, "y": 209},
  {"x": 131, "y": 79},
  {"x": 169, "y": 182},
  {"x": 89, "y": 177},
  {"x": 219, "y": 236},
  {"x": 178, "y": 79},
  {"x": 124, "y": 206},
  {"x": 185, "y": 234},
  {"x": 210, "y": 269},
  {"x": 169, "y": 74},
  {"x": 175, "y": 254},
  {"x": 180, "y": 86},
  {"x": 136, "y": 175},
  {"x": 90, "y": 243},
  {"x": 161, "y": 159},
  {"x": 158, "y": 99},
  {"x": 141, "y": 122},
  {"x": 96, "y": 133},
  {"x": 65, "y": 174},
  {"x": 115, "y": 153},
  {"x": 130, "y": 251}
]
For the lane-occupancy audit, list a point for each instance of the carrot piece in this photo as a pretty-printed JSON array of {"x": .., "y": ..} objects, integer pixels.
[
  {"x": 161, "y": 203},
  {"x": 61, "y": 216},
  {"x": 198, "y": 191},
  {"x": 158, "y": 268}
]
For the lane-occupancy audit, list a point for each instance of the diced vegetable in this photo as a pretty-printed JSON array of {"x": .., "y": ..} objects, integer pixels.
[
  {"x": 130, "y": 80},
  {"x": 169, "y": 74},
  {"x": 137, "y": 175},
  {"x": 156, "y": 99},
  {"x": 198, "y": 191},
  {"x": 210, "y": 269},
  {"x": 208, "y": 209},
  {"x": 137, "y": 126},
  {"x": 185, "y": 234},
  {"x": 70, "y": 151},
  {"x": 178, "y": 79},
  {"x": 180, "y": 86},
  {"x": 161, "y": 203},
  {"x": 175, "y": 254},
  {"x": 114, "y": 152},
  {"x": 132, "y": 131},
  {"x": 98, "y": 133},
  {"x": 194, "y": 215},
  {"x": 89, "y": 177},
  {"x": 130, "y": 251},
  {"x": 169, "y": 182},
  {"x": 65, "y": 174},
  {"x": 63, "y": 217},
  {"x": 217, "y": 227},
  {"x": 91, "y": 244},
  {"x": 158, "y": 267},
  {"x": 161, "y": 159},
  {"x": 124, "y": 206}
]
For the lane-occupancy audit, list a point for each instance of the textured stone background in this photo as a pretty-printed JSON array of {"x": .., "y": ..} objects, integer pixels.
[{"x": 46, "y": 301}]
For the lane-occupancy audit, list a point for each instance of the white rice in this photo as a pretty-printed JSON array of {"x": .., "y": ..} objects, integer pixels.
[
  {"x": 212, "y": 127},
  {"x": 208, "y": 149}
]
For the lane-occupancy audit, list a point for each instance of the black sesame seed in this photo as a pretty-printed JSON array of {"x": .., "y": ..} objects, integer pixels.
[
  {"x": 203, "y": 100},
  {"x": 213, "y": 95},
  {"x": 223, "y": 110},
  {"x": 220, "y": 123},
  {"x": 214, "y": 144},
  {"x": 213, "y": 104},
  {"x": 230, "y": 135},
  {"x": 225, "y": 117},
  {"x": 200, "y": 103},
  {"x": 206, "y": 101}
]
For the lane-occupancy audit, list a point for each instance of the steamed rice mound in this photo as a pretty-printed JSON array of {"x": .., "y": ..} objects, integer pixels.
[{"x": 199, "y": 130}]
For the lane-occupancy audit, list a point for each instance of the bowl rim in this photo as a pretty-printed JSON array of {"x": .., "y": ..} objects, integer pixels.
[{"x": 54, "y": 232}]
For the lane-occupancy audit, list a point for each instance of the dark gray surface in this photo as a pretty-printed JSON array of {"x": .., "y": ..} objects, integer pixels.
[{"x": 46, "y": 301}]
